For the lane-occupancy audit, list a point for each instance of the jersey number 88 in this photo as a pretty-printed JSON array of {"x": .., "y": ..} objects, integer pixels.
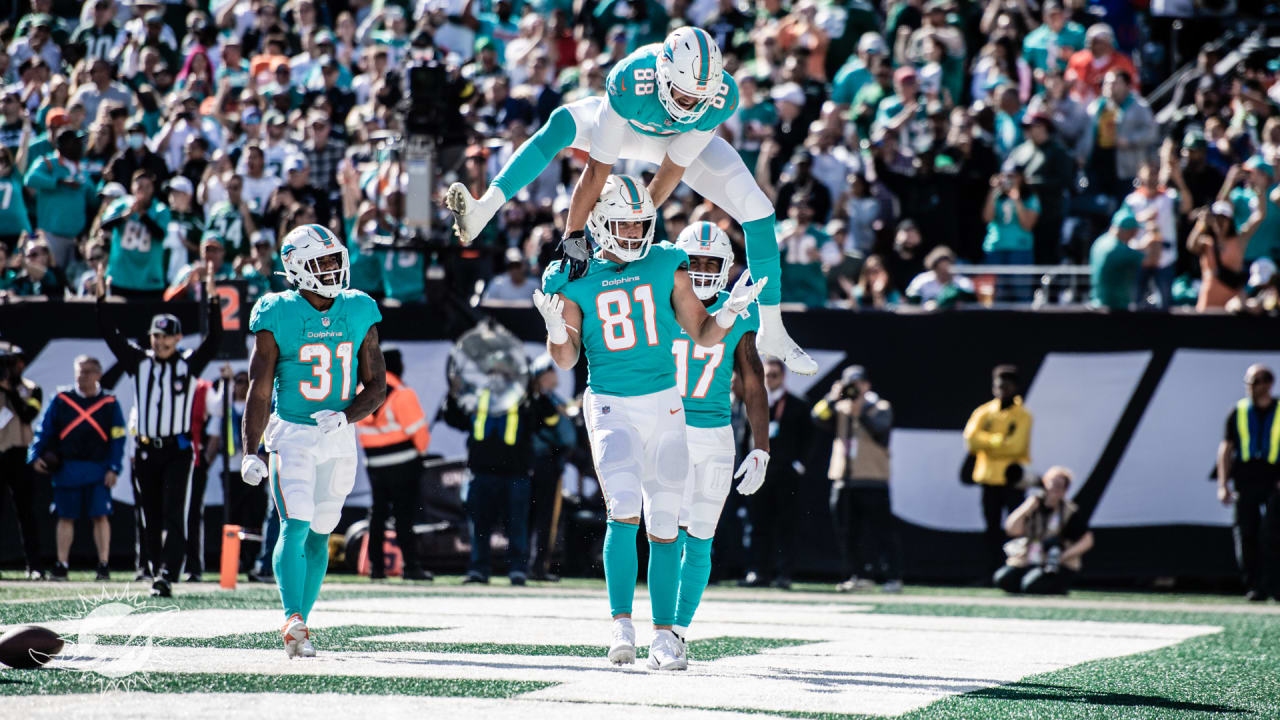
[{"x": 644, "y": 86}]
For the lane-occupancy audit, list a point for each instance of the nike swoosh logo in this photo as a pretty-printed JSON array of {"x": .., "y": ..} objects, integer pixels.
[{"x": 673, "y": 412}]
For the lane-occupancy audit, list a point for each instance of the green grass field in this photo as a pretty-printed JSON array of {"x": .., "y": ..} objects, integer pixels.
[{"x": 927, "y": 653}]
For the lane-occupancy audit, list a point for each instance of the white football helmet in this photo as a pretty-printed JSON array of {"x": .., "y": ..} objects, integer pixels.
[
  {"x": 624, "y": 200},
  {"x": 703, "y": 238},
  {"x": 690, "y": 62},
  {"x": 300, "y": 254}
]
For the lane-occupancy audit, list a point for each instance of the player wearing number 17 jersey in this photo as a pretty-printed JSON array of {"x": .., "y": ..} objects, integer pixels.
[
  {"x": 621, "y": 312},
  {"x": 704, "y": 376},
  {"x": 663, "y": 105},
  {"x": 315, "y": 347}
]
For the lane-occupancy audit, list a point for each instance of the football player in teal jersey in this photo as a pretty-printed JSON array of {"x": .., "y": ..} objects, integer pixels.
[
  {"x": 316, "y": 369},
  {"x": 621, "y": 312},
  {"x": 704, "y": 377},
  {"x": 663, "y": 105}
]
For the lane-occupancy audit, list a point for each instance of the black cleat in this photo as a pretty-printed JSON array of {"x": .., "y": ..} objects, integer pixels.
[
  {"x": 160, "y": 588},
  {"x": 104, "y": 573},
  {"x": 418, "y": 574},
  {"x": 475, "y": 580},
  {"x": 59, "y": 572}
]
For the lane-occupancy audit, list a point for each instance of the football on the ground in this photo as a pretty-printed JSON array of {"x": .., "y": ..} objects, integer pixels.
[{"x": 29, "y": 646}]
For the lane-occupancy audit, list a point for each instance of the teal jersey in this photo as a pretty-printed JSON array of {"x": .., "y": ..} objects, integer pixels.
[
  {"x": 633, "y": 93},
  {"x": 627, "y": 319},
  {"x": 136, "y": 258},
  {"x": 318, "y": 364},
  {"x": 704, "y": 376}
]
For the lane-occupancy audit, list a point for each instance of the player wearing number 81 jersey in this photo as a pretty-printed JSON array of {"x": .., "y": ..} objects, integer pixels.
[
  {"x": 315, "y": 346},
  {"x": 704, "y": 376},
  {"x": 622, "y": 312}
]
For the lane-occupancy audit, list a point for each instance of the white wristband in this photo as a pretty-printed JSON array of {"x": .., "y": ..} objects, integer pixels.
[
  {"x": 724, "y": 318},
  {"x": 558, "y": 335}
]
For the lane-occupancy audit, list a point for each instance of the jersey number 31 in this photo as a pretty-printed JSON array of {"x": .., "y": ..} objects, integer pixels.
[{"x": 318, "y": 353}]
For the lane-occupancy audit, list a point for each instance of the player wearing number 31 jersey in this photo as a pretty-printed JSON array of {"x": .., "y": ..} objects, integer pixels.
[
  {"x": 622, "y": 313},
  {"x": 663, "y": 105},
  {"x": 316, "y": 361}
]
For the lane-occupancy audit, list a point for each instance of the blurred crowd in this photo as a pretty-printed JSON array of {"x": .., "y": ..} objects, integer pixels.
[{"x": 901, "y": 144}]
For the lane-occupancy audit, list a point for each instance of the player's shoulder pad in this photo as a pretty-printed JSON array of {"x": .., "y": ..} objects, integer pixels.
[
  {"x": 260, "y": 318},
  {"x": 678, "y": 258},
  {"x": 621, "y": 80},
  {"x": 555, "y": 277},
  {"x": 362, "y": 302}
]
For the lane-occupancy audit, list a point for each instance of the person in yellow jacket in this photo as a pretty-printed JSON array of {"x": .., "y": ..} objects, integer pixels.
[
  {"x": 998, "y": 435},
  {"x": 394, "y": 438}
]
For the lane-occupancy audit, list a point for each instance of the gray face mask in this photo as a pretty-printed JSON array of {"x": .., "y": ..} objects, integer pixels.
[{"x": 136, "y": 141}]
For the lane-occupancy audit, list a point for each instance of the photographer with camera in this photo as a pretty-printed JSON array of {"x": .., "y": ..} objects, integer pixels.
[
  {"x": 20, "y": 401},
  {"x": 1050, "y": 538},
  {"x": 859, "y": 472}
]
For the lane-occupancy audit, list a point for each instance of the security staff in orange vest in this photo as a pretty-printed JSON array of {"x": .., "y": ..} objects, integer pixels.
[
  {"x": 1250, "y": 455},
  {"x": 394, "y": 438}
]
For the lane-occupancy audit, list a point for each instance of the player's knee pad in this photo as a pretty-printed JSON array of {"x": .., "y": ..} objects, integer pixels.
[
  {"x": 671, "y": 460},
  {"x": 296, "y": 500},
  {"x": 294, "y": 485},
  {"x": 711, "y": 487},
  {"x": 751, "y": 202},
  {"x": 326, "y": 517}
]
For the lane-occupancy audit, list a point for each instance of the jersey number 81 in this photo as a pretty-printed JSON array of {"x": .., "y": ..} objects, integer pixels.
[{"x": 614, "y": 309}]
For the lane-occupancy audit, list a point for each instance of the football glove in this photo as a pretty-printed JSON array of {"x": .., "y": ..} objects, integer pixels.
[
  {"x": 752, "y": 471},
  {"x": 252, "y": 469},
  {"x": 552, "y": 309},
  {"x": 329, "y": 420},
  {"x": 576, "y": 250},
  {"x": 744, "y": 293}
]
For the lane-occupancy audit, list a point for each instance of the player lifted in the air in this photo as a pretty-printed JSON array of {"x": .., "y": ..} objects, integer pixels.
[
  {"x": 663, "y": 104},
  {"x": 704, "y": 377},
  {"x": 314, "y": 347},
  {"x": 621, "y": 312}
]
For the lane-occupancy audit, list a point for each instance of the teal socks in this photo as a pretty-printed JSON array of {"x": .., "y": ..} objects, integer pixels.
[
  {"x": 317, "y": 550},
  {"x": 695, "y": 571},
  {"x": 290, "y": 564},
  {"x": 763, "y": 258},
  {"x": 664, "y": 580},
  {"x": 621, "y": 565},
  {"x": 537, "y": 152}
]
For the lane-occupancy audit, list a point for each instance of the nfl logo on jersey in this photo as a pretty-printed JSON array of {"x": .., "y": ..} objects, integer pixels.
[{"x": 324, "y": 321}]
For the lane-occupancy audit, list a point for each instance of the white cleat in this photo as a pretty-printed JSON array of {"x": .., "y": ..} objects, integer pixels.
[
  {"x": 470, "y": 215},
  {"x": 307, "y": 649},
  {"x": 622, "y": 651},
  {"x": 666, "y": 652},
  {"x": 295, "y": 634},
  {"x": 774, "y": 341}
]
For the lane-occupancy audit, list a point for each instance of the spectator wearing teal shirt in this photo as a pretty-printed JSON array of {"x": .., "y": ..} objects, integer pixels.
[
  {"x": 1114, "y": 263},
  {"x": 64, "y": 194},
  {"x": 498, "y": 26},
  {"x": 753, "y": 122},
  {"x": 13, "y": 209},
  {"x": 137, "y": 225},
  {"x": 1011, "y": 212},
  {"x": 1048, "y": 47},
  {"x": 1266, "y": 239},
  {"x": 1009, "y": 112},
  {"x": 855, "y": 73}
]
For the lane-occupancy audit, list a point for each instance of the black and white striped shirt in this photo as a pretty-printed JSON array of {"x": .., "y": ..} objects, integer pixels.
[{"x": 163, "y": 389}]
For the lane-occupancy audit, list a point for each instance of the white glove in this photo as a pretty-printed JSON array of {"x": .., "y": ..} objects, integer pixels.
[
  {"x": 252, "y": 469},
  {"x": 753, "y": 469},
  {"x": 740, "y": 297},
  {"x": 552, "y": 309},
  {"x": 329, "y": 420}
]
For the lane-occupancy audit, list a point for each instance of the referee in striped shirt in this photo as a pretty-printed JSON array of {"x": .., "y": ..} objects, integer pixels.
[{"x": 164, "y": 386}]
